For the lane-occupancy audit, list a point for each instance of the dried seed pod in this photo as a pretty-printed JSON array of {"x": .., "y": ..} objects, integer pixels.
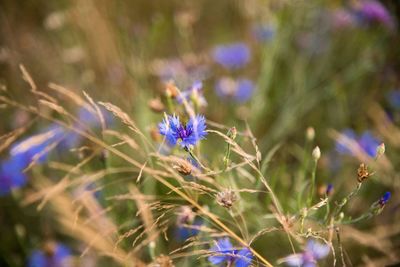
[
  {"x": 362, "y": 173},
  {"x": 156, "y": 105},
  {"x": 183, "y": 167},
  {"x": 226, "y": 198}
]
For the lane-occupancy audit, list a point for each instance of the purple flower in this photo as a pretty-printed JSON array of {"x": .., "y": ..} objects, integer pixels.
[
  {"x": 263, "y": 32},
  {"x": 12, "y": 175},
  {"x": 223, "y": 252},
  {"x": 239, "y": 90},
  {"x": 367, "y": 142},
  {"x": 314, "y": 251},
  {"x": 374, "y": 12},
  {"x": 329, "y": 189},
  {"x": 232, "y": 56},
  {"x": 384, "y": 199},
  {"x": 188, "y": 134},
  {"x": 56, "y": 256}
]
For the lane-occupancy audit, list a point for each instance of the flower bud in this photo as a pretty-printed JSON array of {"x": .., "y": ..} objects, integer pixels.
[
  {"x": 310, "y": 133},
  {"x": 362, "y": 173},
  {"x": 156, "y": 105},
  {"x": 380, "y": 150},
  {"x": 316, "y": 154},
  {"x": 171, "y": 90},
  {"x": 232, "y": 133},
  {"x": 226, "y": 198}
]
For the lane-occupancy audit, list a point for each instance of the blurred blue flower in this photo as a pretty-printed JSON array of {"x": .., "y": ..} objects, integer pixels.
[
  {"x": 91, "y": 118},
  {"x": 384, "y": 199},
  {"x": 224, "y": 252},
  {"x": 188, "y": 134},
  {"x": 367, "y": 142},
  {"x": 372, "y": 11},
  {"x": 314, "y": 251},
  {"x": 393, "y": 97},
  {"x": 329, "y": 189},
  {"x": 56, "y": 256},
  {"x": 184, "y": 232},
  {"x": 232, "y": 56},
  {"x": 12, "y": 175},
  {"x": 263, "y": 32},
  {"x": 36, "y": 147},
  {"x": 193, "y": 93},
  {"x": 239, "y": 90}
]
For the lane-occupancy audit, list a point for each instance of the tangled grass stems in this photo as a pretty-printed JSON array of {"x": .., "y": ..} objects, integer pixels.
[{"x": 158, "y": 175}]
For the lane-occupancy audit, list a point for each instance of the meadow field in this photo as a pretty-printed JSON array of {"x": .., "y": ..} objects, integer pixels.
[{"x": 199, "y": 133}]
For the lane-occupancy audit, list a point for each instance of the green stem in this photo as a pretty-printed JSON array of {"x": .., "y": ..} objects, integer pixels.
[{"x": 310, "y": 197}]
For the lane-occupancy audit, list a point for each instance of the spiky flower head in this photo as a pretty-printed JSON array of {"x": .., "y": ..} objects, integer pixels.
[
  {"x": 226, "y": 198},
  {"x": 186, "y": 134}
]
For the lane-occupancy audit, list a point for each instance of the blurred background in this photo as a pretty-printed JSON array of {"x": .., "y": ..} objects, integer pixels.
[{"x": 311, "y": 72}]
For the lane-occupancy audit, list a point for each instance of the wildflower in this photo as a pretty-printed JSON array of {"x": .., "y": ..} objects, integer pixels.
[
  {"x": 12, "y": 175},
  {"x": 239, "y": 90},
  {"x": 188, "y": 134},
  {"x": 52, "y": 255},
  {"x": 193, "y": 93},
  {"x": 316, "y": 153},
  {"x": 36, "y": 147},
  {"x": 187, "y": 223},
  {"x": 380, "y": 150},
  {"x": 372, "y": 11},
  {"x": 314, "y": 251},
  {"x": 223, "y": 252},
  {"x": 226, "y": 198},
  {"x": 310, "y": 133},
  {"x": 366, "y": 142},
  {"x": 384, "y": 199},
  {"x": 263, "y": 32},
  {"x": 329, "y": 189},
  {"x": 232, "y": 56}
]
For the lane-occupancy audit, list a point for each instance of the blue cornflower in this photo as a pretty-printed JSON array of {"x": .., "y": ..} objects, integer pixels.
[
  {"x": 12, "y": 174},
  {"x": 188, "y": 134},
  {"x": 329, "y": 189},
  {"x": 314, "y": 251},
  {"x": 372, "y": 11},
  {"x": 56, "y": 255},
  {"x": 223, "y": 252},
  {"x": 239, "y": 90},
  {"x": 37, "y": 145},
  {"x": 384, "y": 199},
  {"x": 367, "y": 142},
  {"x": 232, "y": 56},
  {"x": 183, "y": 232}
]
